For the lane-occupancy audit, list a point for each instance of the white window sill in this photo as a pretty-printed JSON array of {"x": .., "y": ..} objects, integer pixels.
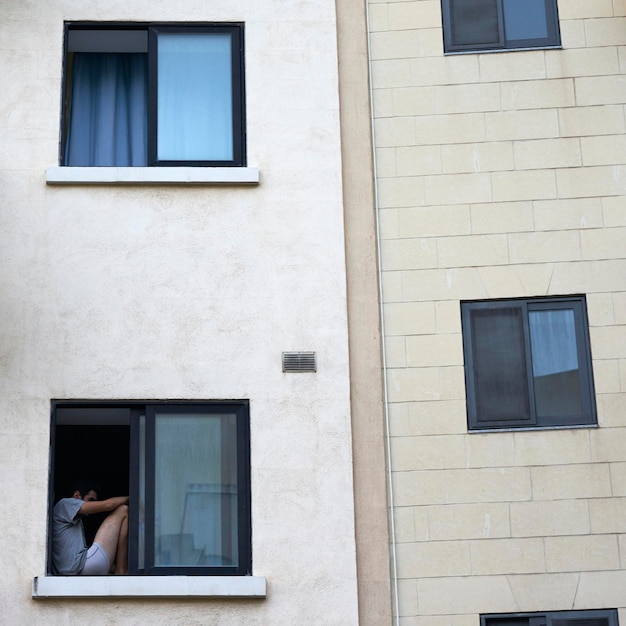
[
  {"x": 149, "y": 587},
  {"x": 152, "y": 176}
]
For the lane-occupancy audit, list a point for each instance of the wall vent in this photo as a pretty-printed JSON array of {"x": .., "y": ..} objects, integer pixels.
[{"x": 299, "y": 362}]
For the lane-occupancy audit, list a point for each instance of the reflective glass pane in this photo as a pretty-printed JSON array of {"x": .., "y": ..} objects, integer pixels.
[
  {"x": 555, "y": 362},
  {"x": 195, "y": 108},
  {"x": 525, "y": 19},
  {"x": 195, "y": 490},
  {"x": 474, "y": 22},
  {"x": 141, "y": 531},
  {"x": 499, "y": 365}
]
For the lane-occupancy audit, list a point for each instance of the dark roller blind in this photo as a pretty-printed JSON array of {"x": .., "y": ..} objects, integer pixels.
[
  {"x": 474, "y": 22},
  {"x": 499, "y": 360}
]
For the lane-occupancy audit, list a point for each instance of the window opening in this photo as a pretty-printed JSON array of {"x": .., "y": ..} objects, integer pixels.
[
  {"x": 527, "y": 363},
  {"x": 186, "y": 468},
  {"x": 604, "y": 617},
  {"x": 153, "y": 94},
  {"x": 484, "y": 25}
]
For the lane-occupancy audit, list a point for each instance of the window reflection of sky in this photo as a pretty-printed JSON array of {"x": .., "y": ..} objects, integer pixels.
[
  {"x": 553, "y": 341},
  {"x": 525, "y": 19}
]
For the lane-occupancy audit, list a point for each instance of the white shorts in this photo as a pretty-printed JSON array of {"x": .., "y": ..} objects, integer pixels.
[{"x": 97, "y": 562}]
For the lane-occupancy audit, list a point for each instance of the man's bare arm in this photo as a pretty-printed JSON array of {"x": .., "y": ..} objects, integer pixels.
[{"x": 102, "y": 506}]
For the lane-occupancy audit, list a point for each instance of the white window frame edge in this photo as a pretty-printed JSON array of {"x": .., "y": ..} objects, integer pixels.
[
  {"x": 149, "y": 587},
  {"x": 152, "y": 175}
]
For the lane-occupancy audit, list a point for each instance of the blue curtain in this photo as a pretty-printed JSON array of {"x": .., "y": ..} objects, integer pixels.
[{"x": 108, "y": 110}]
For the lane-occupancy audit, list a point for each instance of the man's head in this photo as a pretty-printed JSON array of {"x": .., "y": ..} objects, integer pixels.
[{"x": 86, "y": 490}]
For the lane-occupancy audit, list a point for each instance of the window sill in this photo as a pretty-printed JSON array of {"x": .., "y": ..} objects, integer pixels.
[
  {"x": 152, "y": 176},
  {"x": 494, "y": 50},
  {"x": 149, "y": 587},
  {"x": 519, "y": 429}
]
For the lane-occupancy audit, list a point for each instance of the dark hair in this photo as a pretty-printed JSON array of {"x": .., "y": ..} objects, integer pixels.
[{"x": 84, "y": 486}]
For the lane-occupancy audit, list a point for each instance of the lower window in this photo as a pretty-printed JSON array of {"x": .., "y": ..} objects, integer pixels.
[
  {"x": 553, "y": 618},
  {"x": 527, "y": 363},
  {"x": 185, "y": 466}
]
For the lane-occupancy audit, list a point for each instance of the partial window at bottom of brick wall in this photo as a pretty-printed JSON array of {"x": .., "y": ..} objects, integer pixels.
[{"x": 605, "y": 617}]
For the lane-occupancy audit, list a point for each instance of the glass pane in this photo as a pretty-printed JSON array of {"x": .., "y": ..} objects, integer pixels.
[
  {"x": 525, "y": 19},
  {"x": 474, "y": 22},
  {"x": 555, "y": 362},
  {"x": 195, "y": 108},
  {"x": 500, "y": 365},
  {"x": 583, "y": 621},
  {"x": 195, "y": 490},
  {"x": 141, "y": 534}
]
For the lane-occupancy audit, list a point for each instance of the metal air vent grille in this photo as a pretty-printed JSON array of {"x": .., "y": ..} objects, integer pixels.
[{"x": 294, "y": 362}]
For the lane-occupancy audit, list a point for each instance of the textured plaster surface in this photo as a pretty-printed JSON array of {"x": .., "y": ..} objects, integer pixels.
[
  {"x": 368, "y": 423},
  {"x": 184, "y": 292}
]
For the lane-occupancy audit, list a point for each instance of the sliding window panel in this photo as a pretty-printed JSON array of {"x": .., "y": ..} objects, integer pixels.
[
  {"x": 497, "y": 368},
  {"x": 195, "y": 492},
  {"x": 197, "y": 76},
  {"x": 560, "y": 355},
  {"x": 472, "y": 24}
]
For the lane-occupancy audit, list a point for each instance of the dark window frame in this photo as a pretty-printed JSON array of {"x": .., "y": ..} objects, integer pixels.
[
  {"x": 152, "y": 30},
  {"x": 149, "y": 408},
  {"x": 550, "y": 618},
  {"x": 525, "y": 305},
  {"x": 553, "y": 40}
]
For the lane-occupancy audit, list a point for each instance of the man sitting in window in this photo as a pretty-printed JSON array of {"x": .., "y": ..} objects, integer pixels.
[{"x": 109, "y": 552}]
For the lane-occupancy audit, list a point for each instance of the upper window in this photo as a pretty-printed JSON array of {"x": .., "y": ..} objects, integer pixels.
[
  {"x": 553, "y": 618},
  {"x": 477, "y": 25},
  {"x": 138, "y": 95},
  {"x": 185, "y": 466},
  {"x": 527, "y": 363}
]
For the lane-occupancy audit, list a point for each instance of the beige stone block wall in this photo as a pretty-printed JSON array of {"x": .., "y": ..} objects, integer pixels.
[{"x": 501, "y": 175}]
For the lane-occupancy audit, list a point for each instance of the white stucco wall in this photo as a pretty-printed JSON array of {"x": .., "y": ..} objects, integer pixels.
[{"x": 116, "y": 292}]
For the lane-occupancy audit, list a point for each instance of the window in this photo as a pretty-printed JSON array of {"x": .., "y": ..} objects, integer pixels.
[
  {"x": 553, "y": 618},
  {"x": 481, "y": 25},
  {"x": 138, "y": 95},
  {"x": 527, "y": 363},
  {"x": 186, "y": 468}
]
